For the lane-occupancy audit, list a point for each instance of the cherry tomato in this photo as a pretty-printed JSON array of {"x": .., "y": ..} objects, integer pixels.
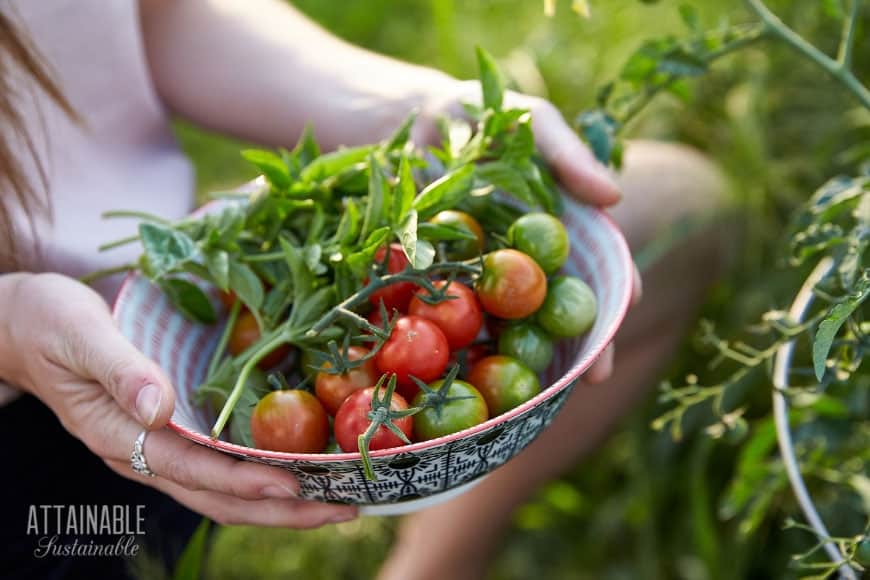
[
  {"x": 245, "y": 333},
  {"x": 461, "y": 249},
  {"x": 569, "y": 309},
  {"x": 352, "y": 420},
  {"x": 504, "y": 382},
  {"x": 227, "y": 298},
  {"x": 527, "y": 343},
  {"x": 332, "y": 390},
  {"x": 291, "y": 421},
  {"x": 416, "y": 347},
  {"x": 396, "y": 295},
  {"x": 450, "y": 416},
  {"x": 459, "y": 318},
  {"x": 512, "y": 285},
  {"x": 543, "y": 237}
]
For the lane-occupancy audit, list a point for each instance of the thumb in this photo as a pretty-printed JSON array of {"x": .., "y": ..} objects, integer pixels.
[{"x": 101, "y": 353}]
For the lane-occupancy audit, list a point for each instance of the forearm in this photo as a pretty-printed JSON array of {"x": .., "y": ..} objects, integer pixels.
[{"x": 259, "y": 70}]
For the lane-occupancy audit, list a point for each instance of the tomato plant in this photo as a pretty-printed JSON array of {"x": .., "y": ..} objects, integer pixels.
[
  {"x": 512, "y": 285},
  {"x": 504, "y": 382},
  {"x": 333, "y": 389},
  {"x": 352, "y": 420},
  {"x": 543, "y": 237},
  {"x": 292, "y": 421},
  {"x": 458, "y": 316},
  {"x": 417, "y": 348}
]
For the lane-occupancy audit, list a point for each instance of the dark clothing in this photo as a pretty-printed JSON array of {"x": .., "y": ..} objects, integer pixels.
[{"x": 45, "y": 465}]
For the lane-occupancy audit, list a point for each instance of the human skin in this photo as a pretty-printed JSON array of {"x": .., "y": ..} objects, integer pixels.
[{"x": 214, "y": 63}]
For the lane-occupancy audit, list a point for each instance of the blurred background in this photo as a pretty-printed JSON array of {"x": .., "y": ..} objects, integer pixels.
[{"x": 644, "y": 507}]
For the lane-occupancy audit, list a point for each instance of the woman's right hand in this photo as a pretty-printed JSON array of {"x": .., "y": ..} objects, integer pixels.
[{"x": 58, "y": 341}]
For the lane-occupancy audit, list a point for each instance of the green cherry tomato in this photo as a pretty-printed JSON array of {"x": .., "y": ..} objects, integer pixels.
[
  {"x": 569, "y": 309},
  {"x": 504, "y": 382},
  {"x": 528, "y": 343},
  {"x": 461, "y": 249},
  {"x": 543, "y": 237},
  {"x": 467, "y": 409}
]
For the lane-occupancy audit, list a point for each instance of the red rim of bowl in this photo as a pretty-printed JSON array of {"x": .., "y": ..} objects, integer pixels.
[{"x": 563, "y": 382}]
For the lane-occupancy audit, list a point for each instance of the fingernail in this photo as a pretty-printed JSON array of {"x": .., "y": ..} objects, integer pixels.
[
  {"x": 279, "y": 492},
  {"x": 343, "y": 517},
  {"x": 148, "y": 403}
]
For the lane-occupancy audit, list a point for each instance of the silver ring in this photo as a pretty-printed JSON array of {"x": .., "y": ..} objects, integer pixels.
[{"x": 137, "y": 458}]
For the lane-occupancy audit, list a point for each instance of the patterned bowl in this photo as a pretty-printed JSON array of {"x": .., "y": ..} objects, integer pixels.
[{"x": 420, "y": 474}]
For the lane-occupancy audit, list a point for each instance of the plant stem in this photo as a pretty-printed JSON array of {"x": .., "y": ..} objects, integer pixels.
[
  {"x": 118, "y": 243},
  {"x": 778, "y": 28},
  {"x": 847, "y": 42},
  {"x": 239, "y": 387},
  {"x": 225, "y": 338},
  {"x": 99, "y": 274},
  {"x": 141, "y": 215}
]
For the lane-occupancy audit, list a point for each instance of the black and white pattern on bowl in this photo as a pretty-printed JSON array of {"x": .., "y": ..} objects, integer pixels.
[{"x": 599, "y": 256}]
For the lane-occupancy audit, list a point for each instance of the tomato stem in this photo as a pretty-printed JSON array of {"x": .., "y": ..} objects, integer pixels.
[
  {"x": 224, "y": 339},
  {"x": 239, "y": 387}
]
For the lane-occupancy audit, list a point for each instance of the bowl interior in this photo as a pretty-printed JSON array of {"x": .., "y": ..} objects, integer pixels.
[{"x": 599, "y": 256}]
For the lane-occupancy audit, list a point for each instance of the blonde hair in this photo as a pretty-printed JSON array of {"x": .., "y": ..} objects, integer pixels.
[{"x": 17, "y": 54}]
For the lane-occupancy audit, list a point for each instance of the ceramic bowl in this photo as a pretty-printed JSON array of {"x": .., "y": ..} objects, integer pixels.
[{"x": 420, "y": 474}]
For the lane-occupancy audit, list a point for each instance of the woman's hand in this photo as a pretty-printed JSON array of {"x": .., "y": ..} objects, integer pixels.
[
  {"x": 569, "y": 158},
  {"x": 58, "y": 341}
]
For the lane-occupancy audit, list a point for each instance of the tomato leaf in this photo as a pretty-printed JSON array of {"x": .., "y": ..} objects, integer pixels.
[
  {"x": 400, "y": 138},
  {"x": 442, "y": 232},
  {"x": 189, "y": 299},
  {"x": 491, "y": 80},
  {"x": 504, "y": 177},
  {"x": 218, "y": 264},
  {"x": 445, "y": 192},
  {"x": 349, "y": 224},
  {"x": 830, "y": 326},
  {"x": 307, "y": 149},
  {"x": 166, "y": 249},
  {"x": 333, "y": 163},
  {"x": 420, "y": 253},
  {"x": 406, "y": 190},
  {"x": 360, "y": 260},
  {"x": 600, "y": 130},
  {"x": 272, "y": 166},
  {"x": 246, "y": 284},
  {"x": 378, "y": 192}
]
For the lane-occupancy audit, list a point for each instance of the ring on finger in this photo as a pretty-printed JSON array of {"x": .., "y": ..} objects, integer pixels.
[{"x": 137, "y": 458}]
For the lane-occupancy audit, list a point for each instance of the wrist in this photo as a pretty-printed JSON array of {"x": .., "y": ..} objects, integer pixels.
[{"x": 9, "y": 286}]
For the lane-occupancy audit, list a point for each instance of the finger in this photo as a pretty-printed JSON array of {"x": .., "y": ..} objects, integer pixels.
[
  {"x": 196, "y": 467},
  {"x": 573, "y": 163},
  {"x": 230, "y": 510},
  {"x": 97, "y": 350},
  {"x": 603, "y": 367}
]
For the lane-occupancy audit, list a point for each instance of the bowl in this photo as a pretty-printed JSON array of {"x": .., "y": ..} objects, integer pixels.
[{"x": 420, "y": 474}]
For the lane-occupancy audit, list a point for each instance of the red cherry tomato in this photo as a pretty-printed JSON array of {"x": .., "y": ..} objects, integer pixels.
[
  {"x": 352, "y": 420},
  {"x": 245, "y": 333},
  {"x": 396, "y": 295},
  {"x": 416, "y": 347},
  {"x": 512, "y": 284},
  {"x": 290, "y": 421},
  {"x": 332, "y": 390},
  {"x": 459, "y": 318}
]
